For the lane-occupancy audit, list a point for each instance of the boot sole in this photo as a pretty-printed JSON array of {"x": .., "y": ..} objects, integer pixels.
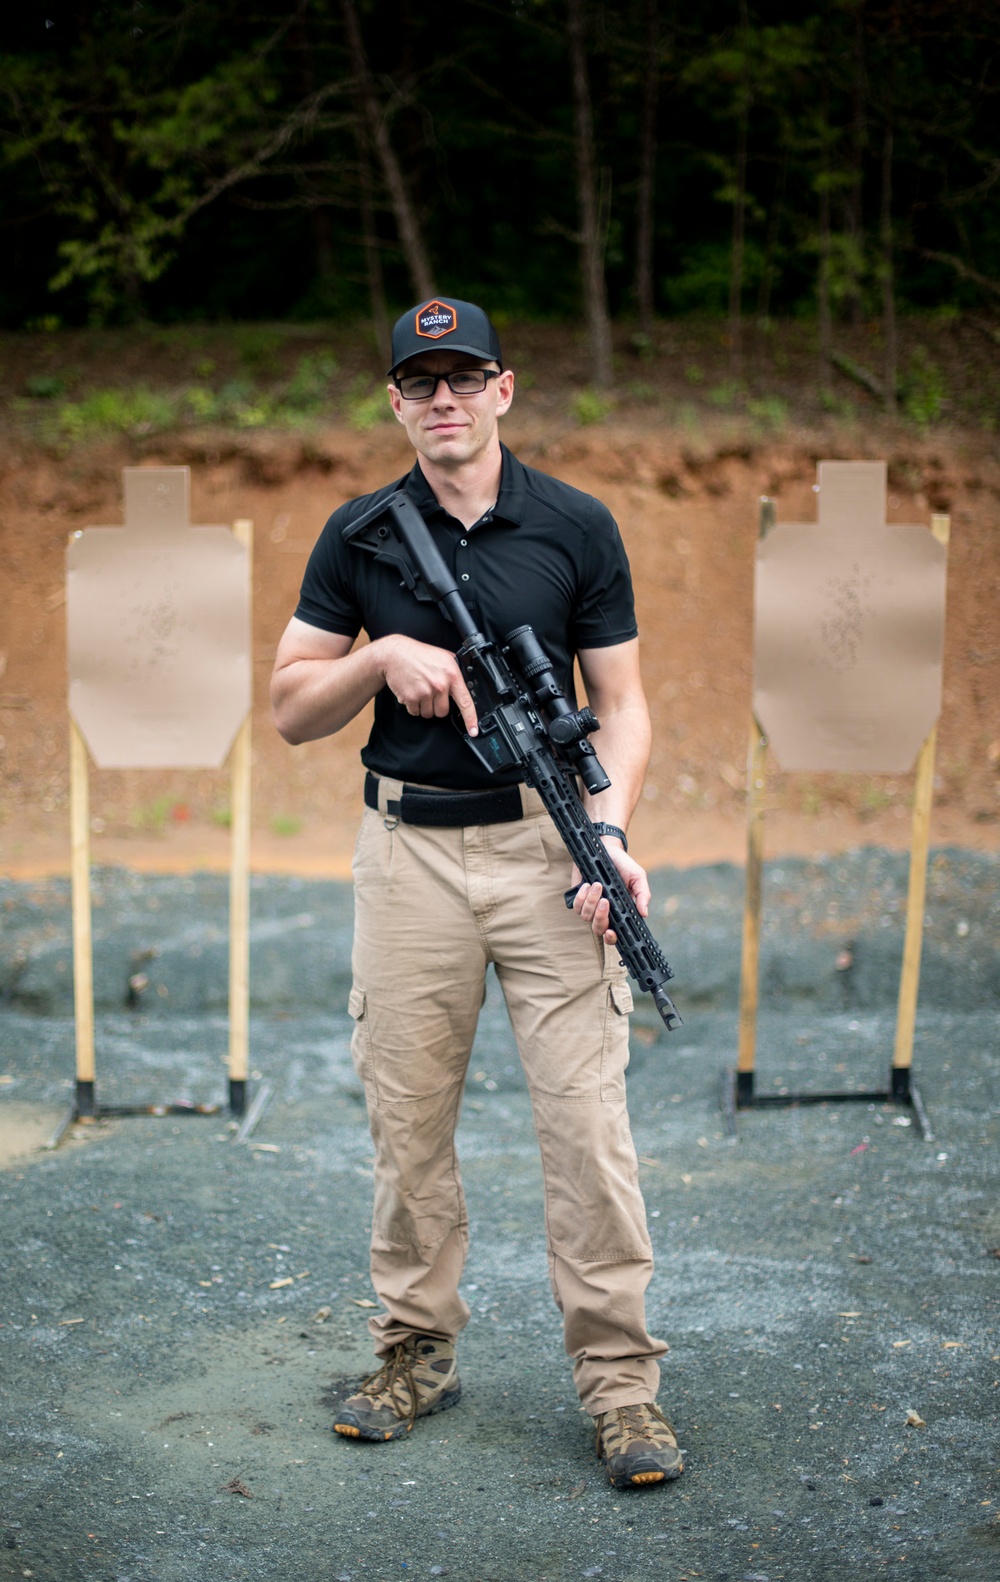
[
  {"x": 380, "y": 1436},
  {"x": 645, "y": 1479}
]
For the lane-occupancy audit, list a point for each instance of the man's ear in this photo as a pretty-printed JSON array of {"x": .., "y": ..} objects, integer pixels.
[
  {"x": 395, "y": 400},
  {"x": 505, "y": 391}
]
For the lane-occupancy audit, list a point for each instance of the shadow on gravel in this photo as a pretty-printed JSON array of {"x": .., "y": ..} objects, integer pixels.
[{"x": 179, "y": 1312}]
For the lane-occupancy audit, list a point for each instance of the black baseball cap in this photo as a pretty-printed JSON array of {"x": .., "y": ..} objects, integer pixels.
[{"x": 448, "y": 324}]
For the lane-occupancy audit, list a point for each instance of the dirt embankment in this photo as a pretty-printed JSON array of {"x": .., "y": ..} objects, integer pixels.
[{"x": 687, "y": 505}]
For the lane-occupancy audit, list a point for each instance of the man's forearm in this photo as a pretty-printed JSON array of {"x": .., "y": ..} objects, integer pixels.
[
  {"x": 622, "y": 744},
  {"x": 311, "y": 698}
]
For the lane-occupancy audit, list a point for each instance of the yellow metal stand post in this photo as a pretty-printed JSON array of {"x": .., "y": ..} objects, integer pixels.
[
  {"x": 737, "y": 1087},
  {"x": 750, "y": 957},
  {"x": 239, "y": 887},
  {"x": 83, "y": 950},
  {"x": 909, "y": 982}
]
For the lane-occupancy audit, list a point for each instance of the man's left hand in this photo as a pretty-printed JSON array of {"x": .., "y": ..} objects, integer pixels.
[{"x": 591, "y": 903}]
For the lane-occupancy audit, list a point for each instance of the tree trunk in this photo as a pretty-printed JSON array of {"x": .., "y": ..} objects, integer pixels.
[
  {"x": 647, "y": 170},
  {"x": 407, "y": 224},
  {"x": 823, "y": 289},
  {"x": 373, "y": 257},
  {"x": 774, "y": 221},
  {"x": 322, "y": 229},
  {"x": 823, "y": 279},
  {"x": 595, "y": 294},
  {"x": 739, "y": 209},
  {"x": 854, "y": 207},
  {"x": 888, "y": 282}
]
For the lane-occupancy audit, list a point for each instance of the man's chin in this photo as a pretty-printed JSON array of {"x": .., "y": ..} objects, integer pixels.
[{"x": 448, "y": 447}]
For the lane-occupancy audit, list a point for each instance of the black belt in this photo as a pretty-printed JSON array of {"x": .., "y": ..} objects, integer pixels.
[{"x": 448, "y": 809}]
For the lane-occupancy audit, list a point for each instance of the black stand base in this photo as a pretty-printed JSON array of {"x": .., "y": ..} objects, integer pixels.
[
  {"x": 86, "y": 1109},
  {"x": 738, "y": 1094}
]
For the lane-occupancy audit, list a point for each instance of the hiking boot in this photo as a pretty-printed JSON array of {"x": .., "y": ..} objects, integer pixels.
[
  {"x": 638, "y": 1446},
  {"x": 420, "y": 1377}
]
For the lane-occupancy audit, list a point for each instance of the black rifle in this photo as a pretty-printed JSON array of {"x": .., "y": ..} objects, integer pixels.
[{"x": 525, "y": 722}]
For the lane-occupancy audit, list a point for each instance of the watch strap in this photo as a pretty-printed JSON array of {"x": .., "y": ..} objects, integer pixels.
[{"x": 600, "y": 828}]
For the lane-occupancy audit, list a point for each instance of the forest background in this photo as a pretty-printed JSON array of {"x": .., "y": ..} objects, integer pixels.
[
  {"x": 177, "y": 160},
  {"x": 719, "y": 242}
]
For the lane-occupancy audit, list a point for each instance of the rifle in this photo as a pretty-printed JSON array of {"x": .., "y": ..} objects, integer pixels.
[{"x": 525, "y": 722}]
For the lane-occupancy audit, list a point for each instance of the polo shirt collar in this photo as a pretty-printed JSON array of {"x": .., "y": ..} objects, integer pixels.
[{"x": 510, "y": 501}]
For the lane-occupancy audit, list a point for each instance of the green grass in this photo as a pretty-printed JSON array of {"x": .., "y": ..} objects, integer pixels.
[
  {"x": 286, "y": 824},
  {"x": 152, "y": 817},
  {"x": 309, "y": 392}
]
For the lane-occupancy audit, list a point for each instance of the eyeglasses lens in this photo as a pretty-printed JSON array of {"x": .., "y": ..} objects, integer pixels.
[{"x": 464, "y": 381}]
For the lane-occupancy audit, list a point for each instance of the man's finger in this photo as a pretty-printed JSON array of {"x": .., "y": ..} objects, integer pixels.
[{"x": 465, "y": 706}]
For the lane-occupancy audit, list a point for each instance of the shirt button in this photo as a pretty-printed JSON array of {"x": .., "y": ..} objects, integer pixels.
[
  {"x": 465, "y": 576},
  {"x": 464, "y": 543},
  {"x": 487, "y": 518}
]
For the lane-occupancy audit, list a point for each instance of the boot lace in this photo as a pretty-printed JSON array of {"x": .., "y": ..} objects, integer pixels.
[{"x": 396, "y": 1373}]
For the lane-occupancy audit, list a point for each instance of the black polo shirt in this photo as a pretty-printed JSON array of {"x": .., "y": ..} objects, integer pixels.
[{"x": 546, "y": 555}]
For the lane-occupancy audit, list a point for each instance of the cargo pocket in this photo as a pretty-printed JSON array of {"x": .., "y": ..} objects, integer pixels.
[
  {"x": 621, "y": 998},
  {"x": 614, "y": 1057},
  {"x": 361, "y": 1041}
]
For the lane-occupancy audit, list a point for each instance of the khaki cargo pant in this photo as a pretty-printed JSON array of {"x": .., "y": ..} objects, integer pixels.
[{"x": 433, "y": 908}]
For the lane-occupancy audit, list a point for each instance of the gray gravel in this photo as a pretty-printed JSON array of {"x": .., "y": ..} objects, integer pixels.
[{"x": 167, "y": 1403}]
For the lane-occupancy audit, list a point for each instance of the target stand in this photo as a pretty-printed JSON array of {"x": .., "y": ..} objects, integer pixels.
[
  {"x": 852, "y": 490},
  {"x": 158, "y": 639}
]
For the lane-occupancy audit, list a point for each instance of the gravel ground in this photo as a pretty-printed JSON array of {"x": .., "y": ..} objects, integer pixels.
[{"x": 180, "y": 1310}]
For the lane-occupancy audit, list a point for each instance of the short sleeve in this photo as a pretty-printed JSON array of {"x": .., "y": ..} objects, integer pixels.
[
  {"x": 605, "y": 610},
  {"x": 328, "y": 597}
]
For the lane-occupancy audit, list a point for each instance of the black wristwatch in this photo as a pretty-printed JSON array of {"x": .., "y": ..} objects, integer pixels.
[{"x": 611, "y": 829}]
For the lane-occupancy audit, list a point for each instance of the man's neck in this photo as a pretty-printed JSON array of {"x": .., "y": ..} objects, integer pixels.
[{"x": 468, "y": 491}]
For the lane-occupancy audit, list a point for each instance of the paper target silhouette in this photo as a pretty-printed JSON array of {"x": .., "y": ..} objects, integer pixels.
[
  {"x": 849, "y": 631},
  {"x": 158, "y": 631}
]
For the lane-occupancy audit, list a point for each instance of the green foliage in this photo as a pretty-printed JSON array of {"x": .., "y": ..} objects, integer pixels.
[
  {"x": 875, "y": 798},
  {"x": 136, "y": 411},
  {"x": 727, "y": 394},
  {"x": 310, "y": 388},
  {"x": 924, "y": 389},
  {"x": 837, "y": 405},
  {"x": 769, "y": 412},
  {"x": 45, "y": 387},
  {"x": 257, "y": 346},
  {"x": 643, "y": 394},
  {"x": 286, "y": 824},
  {"x": 204, "y": 162},
  {"x": 701, "y": 284},
  {"x": 367, "y": 405},
  {"x": 152, "y": 817},
  {"x": 589, "y": 406}
]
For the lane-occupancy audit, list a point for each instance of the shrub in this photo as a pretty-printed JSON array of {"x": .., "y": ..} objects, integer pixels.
[{"x": 589, "y": 406}]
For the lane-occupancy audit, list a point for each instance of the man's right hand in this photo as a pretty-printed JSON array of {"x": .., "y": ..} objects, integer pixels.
[{"x": 426, "y": 680}]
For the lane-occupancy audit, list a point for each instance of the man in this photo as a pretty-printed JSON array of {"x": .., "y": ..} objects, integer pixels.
[{"x": 456, "y": 868}]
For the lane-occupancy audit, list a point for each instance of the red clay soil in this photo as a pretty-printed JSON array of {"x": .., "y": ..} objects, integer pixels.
[{"x": 688, "y": 507}]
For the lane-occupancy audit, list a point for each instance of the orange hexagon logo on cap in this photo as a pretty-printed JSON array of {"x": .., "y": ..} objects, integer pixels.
[{"x": 435, "y": 320}]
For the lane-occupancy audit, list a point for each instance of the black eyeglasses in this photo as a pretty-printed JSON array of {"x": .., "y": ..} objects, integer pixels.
[{"x": 464, "y": 381}]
